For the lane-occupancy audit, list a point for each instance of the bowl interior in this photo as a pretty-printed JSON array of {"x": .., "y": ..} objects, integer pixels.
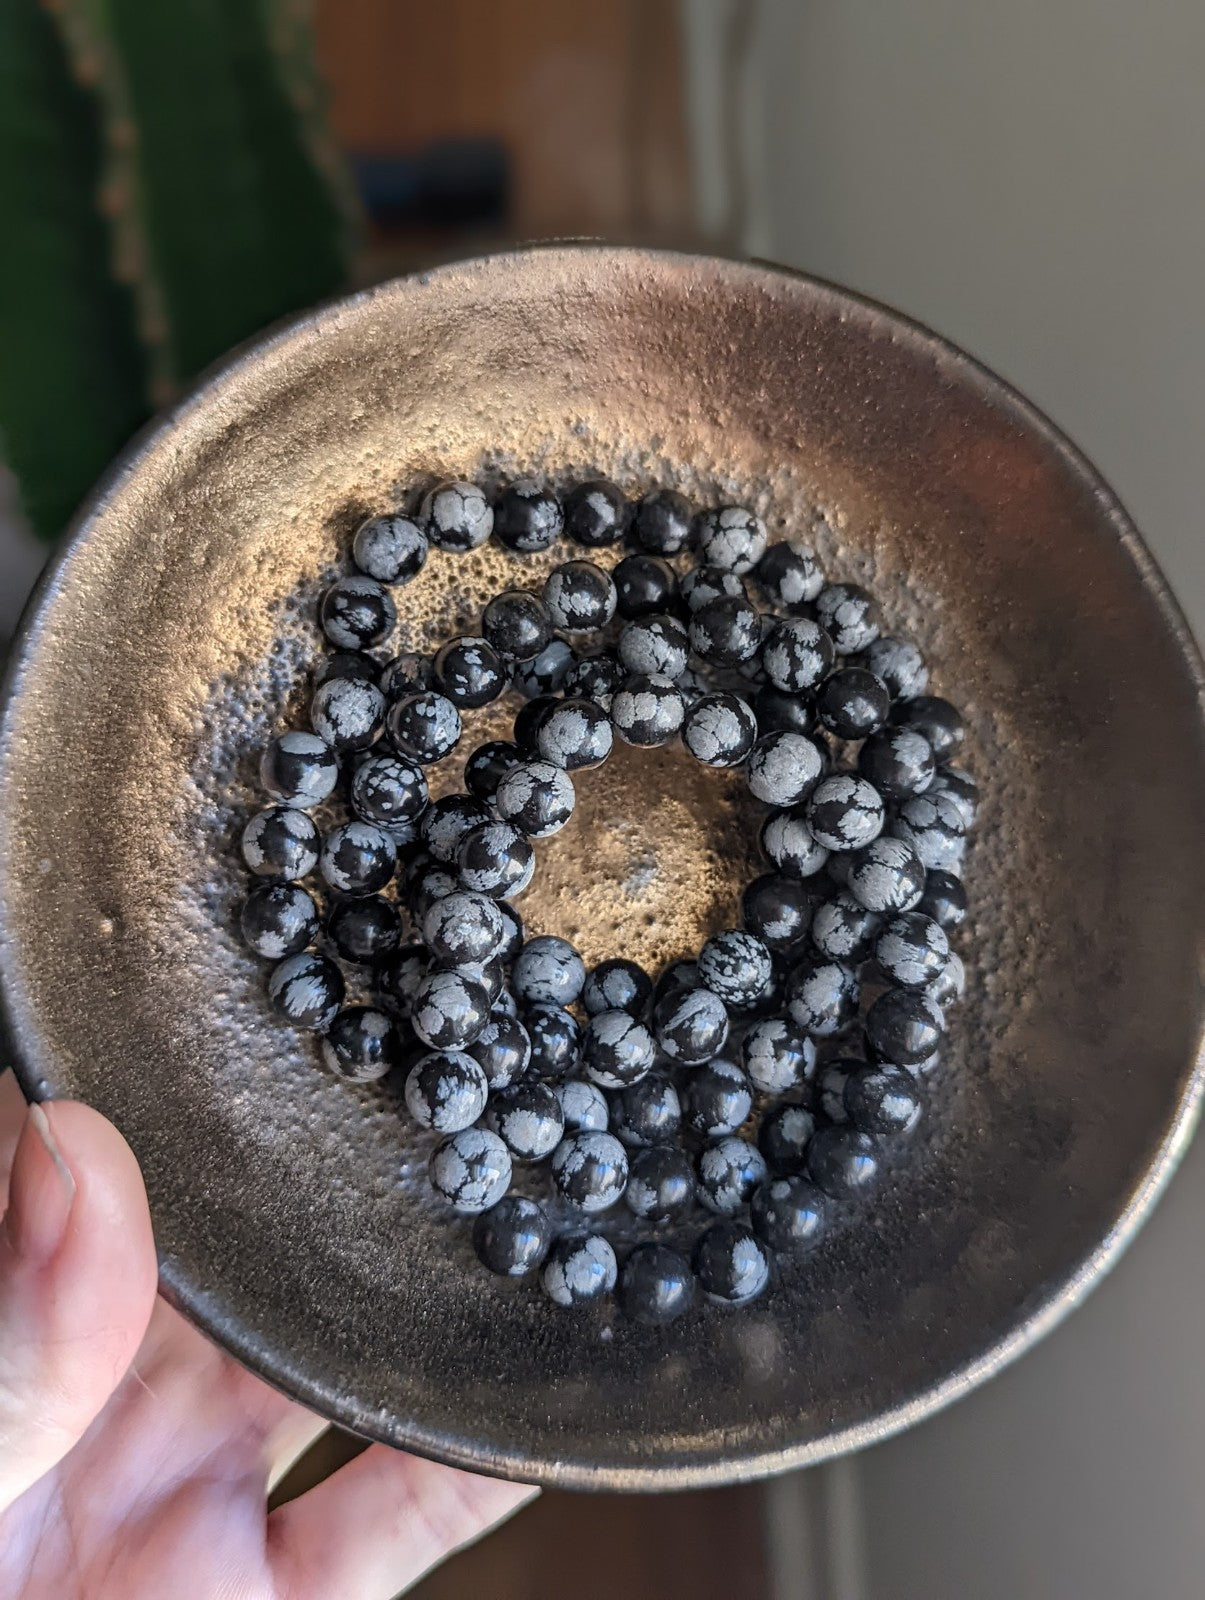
[{"x": 290, "y": 1210}]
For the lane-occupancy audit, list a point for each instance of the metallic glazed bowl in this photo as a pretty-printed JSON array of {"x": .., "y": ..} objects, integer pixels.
[{"x": 292, "y": 1215}]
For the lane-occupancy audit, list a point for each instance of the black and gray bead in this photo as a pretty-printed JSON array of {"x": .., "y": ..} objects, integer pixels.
[
  {"x": 446, "y": 821},
  {"x": 661, "y": 1183},
  {"x": 398, "y": 976},
  {"x": 388, "y": 790},
  {"x": 843, "y": 929},
  {"x": 469, "y": 671},
  {"x": 690, "y": 1025},
  {"x": 450, "y": 1010},
  {"x": 898, "y": 761},
  {"x": 789, "y": 1214},
  {"x": 645, "y": 586},
  {"x": 575, "y": 735},
  {"x": 845, "y": 812},
  {"x": 527, "y": 1117},
  {"x": 584, "y": 1107},
  {"x": 617, "y": 1049},
  {"x": 358, "y": 858},
  {"x": 776, "y": 1056},
  {"x": 580, "y": 597},
  {"x": 789, "y": 576},
  {"x": 424, "y": 726},
  {"x": 464, "y": 929},
  {"x": 842, "y": 1160},
  {"x": 726, "y": 631},
  {"x": 617, "y": 985},
  {"x": 457, "y": 516},
  {"x": 852, "y": 703},
  {"x": 496, "y": 859},
  {"x": 502, "y": 1049},
  {"x": 281, "y": 843},
  {"x": 886, "y": 876},
  {"x": 556, "y": 1040},
  {"x": 528, "y": 517},
  {"x": 882, "y": 1099},
  {"x": 731, "y": 1264},
  {"x": 779, "y": 909},
  {"x": 365, "y": 929},
  {"x": 912, "y": 950},
  {"x": 579, "y": 1270},
  {"x": 545, "y": 673},
  {"x": 736, "y": 965},
  {"x": 949, "y": 986},
  {"x": 346, "y": 664},
  {"x": 783, "y": 768},
  {"x": 471, "y": 1170},
  {"x": 590, "y": 1171},
  {"x": 357, "y": 612},
  {"x": 720, "y": 730},
  {"x": 777, "y": 711},
  {"x": 933, "y": 825},
  {"x": 391, "y": 549},
  {"x": 361, "y": 1044},
  {"x": 407, "y": 673},
  {"x": 904, "y": 1027},
  {"x": 849, "y": 615},
  {"x": 307, "y": 990},
  {"x": 900, "y": 665},
  {"x": 732, "y": 538},
  {"x": 654, "y": 647},
  {"x": 655, "y": 1285},
  {"x": 279, "y": 920},
  {"x": 517, "y": 625},
  {"x": 728, "y": 1172},
  {"x": 299, "y": 769},
  {"x": 797, "y": 655},
  {"x": 784, "y": 1136},
  {"x": 944, "y": 899},
  {"x": 488, "y": 765},
  {"x": 961, "y": 789},
  {"x": 647, "y": 1112},
  {"x": 512, "y": 1238},
  {"x": 424, "y": 882},
  {"x": 596, "y": 514},
  {"x": 647, "y": 711},
  {"x": 662, "y": 523},
  {"x": 347, "y": 713},
  {"x": 594, "y": 678},
  {"x": 548, "y": 971},
  {"x": 701, "y": 585},
  {"x": 718, "y": 1098},
  {"x": 789, "y": 842},
  {"x": 822, "y": 996},
  {"x": 940, "y": 723},
  {"x": 446, "y": 1091},
  {"x": 537, "y": 797}
]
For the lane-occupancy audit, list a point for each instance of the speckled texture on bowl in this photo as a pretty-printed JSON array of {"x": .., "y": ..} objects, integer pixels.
[{"x": 290, "y": 1209}]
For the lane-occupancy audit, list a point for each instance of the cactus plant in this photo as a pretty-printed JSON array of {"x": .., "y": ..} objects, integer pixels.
[{"x": 167, "y": 189}]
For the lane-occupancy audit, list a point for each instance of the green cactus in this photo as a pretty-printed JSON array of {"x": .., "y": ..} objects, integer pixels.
[{"x": 198, "y": 199}]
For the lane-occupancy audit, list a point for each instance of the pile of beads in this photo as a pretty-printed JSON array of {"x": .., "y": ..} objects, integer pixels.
[{"x": 755, "y": 1083}]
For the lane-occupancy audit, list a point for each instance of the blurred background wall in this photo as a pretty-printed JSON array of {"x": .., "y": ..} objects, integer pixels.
[{"x": 1027, "y": 179}]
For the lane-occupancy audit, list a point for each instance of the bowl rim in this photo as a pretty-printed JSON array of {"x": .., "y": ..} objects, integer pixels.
[{"x": 566, "y": 1472}]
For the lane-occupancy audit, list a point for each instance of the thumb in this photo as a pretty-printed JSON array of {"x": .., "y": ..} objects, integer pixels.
[{"x": 77, "y": 1285}]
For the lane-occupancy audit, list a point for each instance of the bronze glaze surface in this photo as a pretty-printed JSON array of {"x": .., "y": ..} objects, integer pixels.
[{"x": 291, "y": 1210}]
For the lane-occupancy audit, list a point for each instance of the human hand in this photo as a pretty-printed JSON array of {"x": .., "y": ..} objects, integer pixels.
[{"x": 135, "y": 1456}]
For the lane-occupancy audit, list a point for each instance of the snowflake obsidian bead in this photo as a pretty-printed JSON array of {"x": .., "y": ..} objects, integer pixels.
[
  {"x": 391, "y": 549},
  {"x": 457, "y": 516}
]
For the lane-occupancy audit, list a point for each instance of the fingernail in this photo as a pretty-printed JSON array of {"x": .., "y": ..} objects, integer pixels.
[{"x": 43, "y": 1192}]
